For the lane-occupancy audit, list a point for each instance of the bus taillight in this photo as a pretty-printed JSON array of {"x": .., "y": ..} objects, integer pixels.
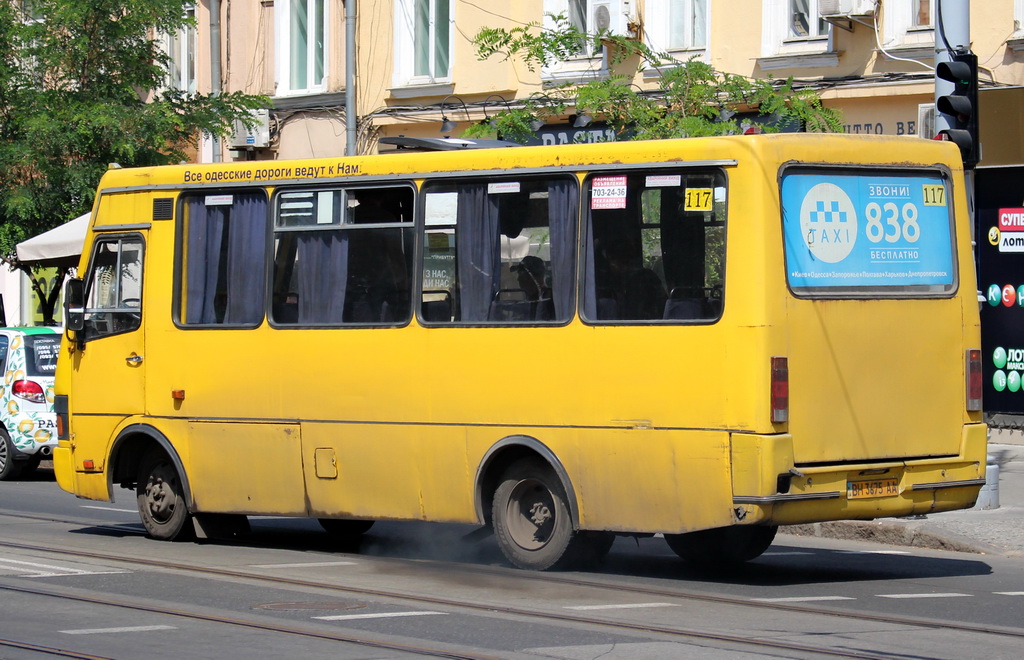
[
  {"x": 780, "y": 390},
  {"x": 974, "y": 379}
]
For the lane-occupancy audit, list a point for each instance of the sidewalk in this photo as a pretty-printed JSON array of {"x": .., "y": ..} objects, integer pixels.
[{"x": 994, "y": 531}]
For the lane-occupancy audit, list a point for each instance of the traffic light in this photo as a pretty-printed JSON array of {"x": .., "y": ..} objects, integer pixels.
[{"x": 961, "y": 106}]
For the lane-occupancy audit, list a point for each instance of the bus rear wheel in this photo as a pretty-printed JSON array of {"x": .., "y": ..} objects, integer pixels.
[
  {"x": 531, "y": 518},
  {"x": 722, "y": 546},
  {"x": 161, "y": 499}
]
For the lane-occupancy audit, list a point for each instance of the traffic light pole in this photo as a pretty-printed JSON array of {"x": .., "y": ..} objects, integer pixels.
[{"x": 952, "y": 32}]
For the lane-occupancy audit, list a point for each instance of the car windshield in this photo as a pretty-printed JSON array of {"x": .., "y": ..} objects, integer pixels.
[{"x": 41, "y": 354}]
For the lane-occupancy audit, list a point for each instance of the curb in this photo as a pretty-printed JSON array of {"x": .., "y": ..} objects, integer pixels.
[{"x": 912, "y": 533}]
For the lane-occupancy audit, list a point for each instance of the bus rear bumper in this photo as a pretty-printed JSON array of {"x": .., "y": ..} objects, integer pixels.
[{"x": 769, "y": 489}]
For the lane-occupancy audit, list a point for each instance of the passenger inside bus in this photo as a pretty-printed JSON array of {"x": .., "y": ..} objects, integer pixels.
[{"x": 630, "y": 290}]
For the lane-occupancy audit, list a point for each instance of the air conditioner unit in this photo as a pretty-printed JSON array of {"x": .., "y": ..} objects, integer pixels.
[
  {"x": 257, "y": 137},
  {"x": 926, "y": 120},
  {"x": 611, "y": 15},
  {"x": 844, "y": 8}
]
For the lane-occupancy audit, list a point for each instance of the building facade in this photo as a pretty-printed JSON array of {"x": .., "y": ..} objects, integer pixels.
[{"x": 413, "y": 62}]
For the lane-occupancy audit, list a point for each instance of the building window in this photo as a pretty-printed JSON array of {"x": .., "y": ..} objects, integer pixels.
[
  {"x": 922, "y": 13},
  {"x": 677, "y": 25},
  {"x": 908, "y": 29},
  {"x": 423, "y": 30},
  {"x": 301, "y": 46},
  {"x": 805, "y": 21},
  {"x": 794, "y": 35},
  {"x": 181, "y": 52}
]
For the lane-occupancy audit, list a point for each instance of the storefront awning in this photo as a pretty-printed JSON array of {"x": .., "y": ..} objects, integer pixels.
[{"x": 61, "y": 246}]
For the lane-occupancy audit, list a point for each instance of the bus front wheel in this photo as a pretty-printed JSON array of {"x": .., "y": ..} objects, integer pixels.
[
  {"x": 722, "y": 546},
  {"x": 161, "y": 499},
  {"x": 531, "y": 518}
]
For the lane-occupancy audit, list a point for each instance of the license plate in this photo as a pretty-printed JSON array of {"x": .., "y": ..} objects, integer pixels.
[{"x": 858, "y": 490}]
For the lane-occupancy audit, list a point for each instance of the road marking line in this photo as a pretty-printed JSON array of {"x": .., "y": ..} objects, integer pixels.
[
  {"x": 873, "y": 552},
  {"x": 801, "y": 599},
  {"x": 787, "y": 553},
  {"x": 1009, "y": 593},
  {"x": 103, "y": 631},
  {"x": 37, "y": 570},
  {"x": 947, "y": 595},
  {"x": 626, "y": 606},
  {"x": 381, "y": 615},
  {"x": 312, "y": 564},
  {"x": 107, "y": 508}
]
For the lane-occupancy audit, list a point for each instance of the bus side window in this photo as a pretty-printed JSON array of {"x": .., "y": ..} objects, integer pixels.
[
  {"x": 113, "y": 302},
  {"x": 225, "y": 237},
  {"x": 500, "y": 251},
  {"x": 343, "y": 256},
  {"x": 654, "y": 247}
]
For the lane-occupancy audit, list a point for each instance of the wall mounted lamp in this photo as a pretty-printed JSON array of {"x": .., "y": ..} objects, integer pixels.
[{"x": 448, "y": 125}]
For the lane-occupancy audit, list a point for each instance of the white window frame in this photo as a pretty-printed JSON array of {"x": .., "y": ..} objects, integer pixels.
[
  {"x": 901, "y": 34},
  {"x": 405, "y": 45},
  {"x": 181, "y": 47},
  {"x": 576, "y": 69},
  {"x": 1016, "y": 40},
  {"x": 283, "y": 47},
  {"x": 658, "y": 25},
  {"x": 781, "y": 50}
]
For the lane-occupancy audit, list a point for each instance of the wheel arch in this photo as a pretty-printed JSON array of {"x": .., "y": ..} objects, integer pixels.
[
  {"x": 130, "y": 446},
  {"x": 504, "y": 453}
]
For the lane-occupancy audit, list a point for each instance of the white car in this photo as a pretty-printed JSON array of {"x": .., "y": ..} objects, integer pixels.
[{"x": 28, "y": 433}]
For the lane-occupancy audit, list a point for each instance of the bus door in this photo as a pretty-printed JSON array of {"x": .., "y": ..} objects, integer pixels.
[{"x": 109, "y": 364}]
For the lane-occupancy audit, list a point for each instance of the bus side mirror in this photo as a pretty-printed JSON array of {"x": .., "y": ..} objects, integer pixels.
[{"x": 74, "y": 305}]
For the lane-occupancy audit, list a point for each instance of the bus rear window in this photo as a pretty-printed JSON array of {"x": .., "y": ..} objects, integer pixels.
[{"x": 868, "y": 234}]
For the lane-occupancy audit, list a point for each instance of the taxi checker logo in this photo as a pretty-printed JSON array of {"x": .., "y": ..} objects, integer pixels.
[
  {"x": 1009, "y": 363},
  {"x": 828, "y": 221},
  {"x": 1009, "y": 235}
]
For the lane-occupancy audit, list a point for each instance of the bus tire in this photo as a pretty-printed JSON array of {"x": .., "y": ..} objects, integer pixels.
[
  {"x": 531, "y": 518},
  {"x": 161, "y": 499},
  {"x": 345, "y": 528},
  {"x": 723, "y": 546},
  {"x": 9, "y": 468}
]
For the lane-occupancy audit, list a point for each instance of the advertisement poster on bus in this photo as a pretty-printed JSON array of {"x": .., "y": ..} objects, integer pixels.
[{"x": 866, "y": 234}]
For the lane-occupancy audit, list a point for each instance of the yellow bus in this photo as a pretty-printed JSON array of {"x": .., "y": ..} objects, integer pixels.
[{"x": 704, "y": 338}]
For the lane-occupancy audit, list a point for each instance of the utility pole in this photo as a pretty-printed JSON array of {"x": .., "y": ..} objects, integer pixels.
[{"x": 351, "y": 118}]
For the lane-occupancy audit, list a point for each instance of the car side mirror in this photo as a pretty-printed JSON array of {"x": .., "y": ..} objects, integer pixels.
[{"x": 74, "y": 305}]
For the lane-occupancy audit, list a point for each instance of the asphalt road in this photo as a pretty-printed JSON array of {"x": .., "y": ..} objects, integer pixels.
[{"x": 80, "y": 576}]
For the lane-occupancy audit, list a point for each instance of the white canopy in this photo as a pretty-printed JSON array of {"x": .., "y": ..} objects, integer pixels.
[{"x": 59, "y": 246}]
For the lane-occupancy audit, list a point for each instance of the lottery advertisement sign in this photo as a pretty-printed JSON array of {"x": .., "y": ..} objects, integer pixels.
[
  {"x": 867, "y": 234},
  {"x": 999, "y": 223}
]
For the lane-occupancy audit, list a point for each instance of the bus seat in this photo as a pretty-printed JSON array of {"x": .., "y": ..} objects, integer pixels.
[
  {"x": 437, "y": 311},
  {"x": 511, "y": 310},
  {"x": 684, "y": 308},
  {"x": 545, "y": 310},
  {"x": 607, "y": 309}
]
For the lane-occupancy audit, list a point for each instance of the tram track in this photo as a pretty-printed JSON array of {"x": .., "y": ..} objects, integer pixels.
[
  {"x": 546, "y": 578},
  {"x": 548, "y": 616}
]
